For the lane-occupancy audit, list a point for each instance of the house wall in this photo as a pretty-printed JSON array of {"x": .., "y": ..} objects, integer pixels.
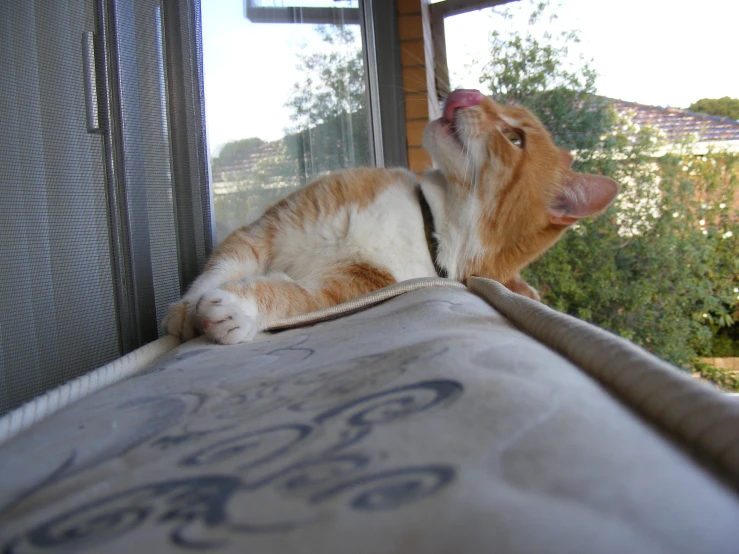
[{"x": 418, "y": 84}]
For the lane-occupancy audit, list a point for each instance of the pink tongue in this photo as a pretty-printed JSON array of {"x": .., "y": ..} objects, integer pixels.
[{"x": 461, "y": 98}]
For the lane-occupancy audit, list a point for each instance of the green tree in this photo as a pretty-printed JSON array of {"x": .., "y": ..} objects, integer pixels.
[
  {"x": 657, "y": 268},
  {"x": 237, "y": 150},
  {"x": 530, "y": 69},
  {"x": 332, "y": 81},
  {"x": 234, "y": 153},
  {"x": 721, "y": 107}
]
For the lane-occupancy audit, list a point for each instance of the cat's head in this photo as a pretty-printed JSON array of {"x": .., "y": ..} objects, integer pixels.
[{"x": 502, "y": 159}]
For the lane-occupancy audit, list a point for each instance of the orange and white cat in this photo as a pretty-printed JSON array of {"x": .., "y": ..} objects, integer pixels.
[{"x": 502, "y": 194}]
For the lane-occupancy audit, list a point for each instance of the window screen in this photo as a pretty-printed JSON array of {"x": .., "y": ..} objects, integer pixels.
[
  {"x": 145, "y": 170},
  {"x": 90, "y": 244},
  {"x": 58, "y": 316}
]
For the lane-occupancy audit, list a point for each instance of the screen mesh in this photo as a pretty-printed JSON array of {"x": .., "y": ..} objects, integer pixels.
[
  {"x": 58, "y": 317},
  {"x": 88, "y": 238},
  {"x": 146, "y": 146}
]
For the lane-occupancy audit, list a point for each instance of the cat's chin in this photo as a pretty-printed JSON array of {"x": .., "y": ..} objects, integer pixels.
[
  {"x": 449, "y": 129},
  {"x": 441, "y": 141}
]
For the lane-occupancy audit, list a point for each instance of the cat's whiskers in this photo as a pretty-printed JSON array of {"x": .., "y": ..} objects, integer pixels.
[
  {"x": 467, "y": 161},
  {"x": 462, "y": 154},
  {"x": 409, "y": 54}
]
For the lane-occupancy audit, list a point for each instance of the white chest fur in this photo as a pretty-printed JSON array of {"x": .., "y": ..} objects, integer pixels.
[
  {"x": 388, "y": 234},
  {"x": 456, "y": 217}
]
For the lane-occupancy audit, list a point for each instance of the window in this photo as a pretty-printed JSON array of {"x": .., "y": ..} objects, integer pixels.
[
  {"x": 286, "y": 100},
  {"x": 106, "y": 208},
  {"x": 59, "y": 315}
]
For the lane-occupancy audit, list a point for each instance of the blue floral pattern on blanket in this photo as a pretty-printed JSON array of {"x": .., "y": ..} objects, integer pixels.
[{"x": 426, "y": 424}]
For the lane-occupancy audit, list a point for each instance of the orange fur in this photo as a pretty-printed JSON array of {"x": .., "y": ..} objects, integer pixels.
[
  {"x": 328, "y": 194},
  {"x": 322, "y": 198},
  {"x": 283, "y": 298},
  {"x": 519, "y": 226},
  {"x": 515, "y": 187},
  {"x": 506, "y": 195}
]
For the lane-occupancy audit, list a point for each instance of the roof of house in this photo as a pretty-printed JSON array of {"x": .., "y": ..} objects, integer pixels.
[{"x": 679, "y": 124}]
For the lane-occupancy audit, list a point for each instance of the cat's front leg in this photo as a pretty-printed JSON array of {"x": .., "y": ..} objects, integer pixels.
[
  {"x": 180, "y": 319},
  {"x": 238, "y": 310},
  {"x": 227, "y": 318}
]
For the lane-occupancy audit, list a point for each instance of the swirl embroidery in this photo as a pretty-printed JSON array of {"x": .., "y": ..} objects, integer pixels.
[{"x": 312, "y": 464}]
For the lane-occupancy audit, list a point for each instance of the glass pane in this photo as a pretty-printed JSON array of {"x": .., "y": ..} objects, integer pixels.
[{"x": 285, "y": 101}]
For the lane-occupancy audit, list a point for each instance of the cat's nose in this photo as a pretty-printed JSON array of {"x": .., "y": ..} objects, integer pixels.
[{"x": 461, "y": 98}]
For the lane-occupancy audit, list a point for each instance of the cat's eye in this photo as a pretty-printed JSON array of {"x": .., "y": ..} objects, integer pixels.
[{"x": 514, "y": 137}]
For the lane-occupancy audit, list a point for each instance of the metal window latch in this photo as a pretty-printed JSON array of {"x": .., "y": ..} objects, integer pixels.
[{"x": 89, "y": 67}]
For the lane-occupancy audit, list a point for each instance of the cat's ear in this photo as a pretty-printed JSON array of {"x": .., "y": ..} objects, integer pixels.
[{"x": 584, "y": 196}]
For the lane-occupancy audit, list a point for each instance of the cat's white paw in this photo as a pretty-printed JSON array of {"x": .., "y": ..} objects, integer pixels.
[
  {"x": 180, "y": 320},
  {"x": 226, "y": 318}
]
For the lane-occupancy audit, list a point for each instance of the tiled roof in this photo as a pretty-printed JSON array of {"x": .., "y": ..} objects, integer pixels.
[
  {"x": 678, "y": 124},
  {"x": 247, "y": 164}
]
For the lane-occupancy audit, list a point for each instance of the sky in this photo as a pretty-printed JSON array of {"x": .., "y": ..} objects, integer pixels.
[
  {"x": 249, "y": 71},
  {"x": 656, "y": 52}
]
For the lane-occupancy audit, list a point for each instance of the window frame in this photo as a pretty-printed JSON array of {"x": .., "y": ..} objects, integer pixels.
[{"x": 191, "y": 179}]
